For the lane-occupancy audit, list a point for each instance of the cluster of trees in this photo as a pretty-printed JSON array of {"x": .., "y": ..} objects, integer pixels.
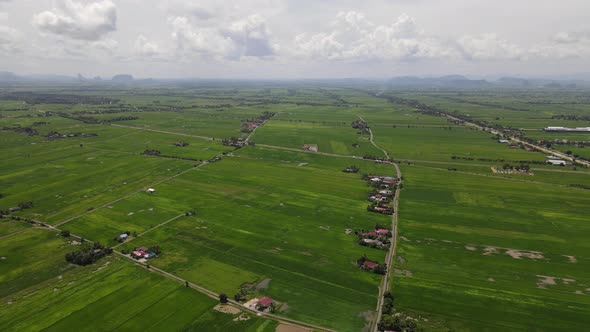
[
  {"x": 93, "y": 120},
  {"x": 581, "y": 186},
  {"x": 521, "y": 167},
  {"x": 571, "y": 117},
  {"x": 25, "y": 130},
  {"x": 362, "y": 126},
  {"x": 237, "y": 142},
  {"x": 378, "y": 269},
  {"x": 351, "y": 169},
  {"x": 51, "y": 98},
  {"x": 55, "y": 135},
  {"x": 181, "y": 144},
  {"x": 89, "y": 254},
  {"x": 151, "y": 152},
  {"x": 398, "y": 322}
]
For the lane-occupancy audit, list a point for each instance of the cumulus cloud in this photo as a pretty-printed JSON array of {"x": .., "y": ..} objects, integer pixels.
[
  {"x": 9, "y": 41},
  {"x": 88, "y": 21},
  {"x": 246, "y": 37},
  {"x": 146, "y": 48},
  {"x": 489, "y": 47},
  {"x": 354, "y": 37}
]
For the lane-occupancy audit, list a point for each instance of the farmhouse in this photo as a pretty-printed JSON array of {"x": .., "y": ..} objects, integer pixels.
[
  {"x": 503, "y": 141},
  {"x": 151, "y": 190},
  {"x": 310, "y": 147},
  {"x": 578, "y": 129},
  {"x": 370, "y": 265},
  {"x": 123, "y": 236},
  {"x": 382, "y": 231},
  {"x": 15, "y": 208},
  {"x": 556, "y": 162},
  {"x": 264, "y": 303}
]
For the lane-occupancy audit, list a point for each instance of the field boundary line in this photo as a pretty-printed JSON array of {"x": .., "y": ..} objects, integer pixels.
[
  {"x": 204, "y": 290},
  {"x": 130, "y": 194},
  {"x": 384, "y": 287},
  {"x": 167, "y": 132},
  {"x": 151, "y": 229}
]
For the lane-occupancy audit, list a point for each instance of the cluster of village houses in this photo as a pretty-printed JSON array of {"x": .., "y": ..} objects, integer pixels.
[
  {"x": 143, "y": 252},
  {"x": 264, "y": 304},
  {"x": 379, "y": 238},
  {"x": 382, "y": 193}
]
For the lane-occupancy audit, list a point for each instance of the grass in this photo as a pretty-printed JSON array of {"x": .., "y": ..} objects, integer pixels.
[
  {"x": 270, "y": 213},
  {"x": 446, "y": 228},
  {"x": 116, "y": 295},
  {"x": 260, "y": 215}
]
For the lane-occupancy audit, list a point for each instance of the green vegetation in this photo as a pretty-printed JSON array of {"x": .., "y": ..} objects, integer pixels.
[{"x": 216, "y": 181}]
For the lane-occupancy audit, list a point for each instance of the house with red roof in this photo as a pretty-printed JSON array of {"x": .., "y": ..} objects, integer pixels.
[
  {"x": 382, "y": 231},
  {"x": 264, "y": 303},
  {"x": 370, "y": 265}
]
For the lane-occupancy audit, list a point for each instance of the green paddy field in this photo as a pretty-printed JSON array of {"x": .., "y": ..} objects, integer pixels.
[{"x": 475, "y": 250}]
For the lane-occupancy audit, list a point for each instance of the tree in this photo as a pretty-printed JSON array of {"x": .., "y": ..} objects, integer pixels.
[
  {"x": 223, "y": 298},
  {"x": 65, "y": 233},
  {"x": 155, "y": 249}
]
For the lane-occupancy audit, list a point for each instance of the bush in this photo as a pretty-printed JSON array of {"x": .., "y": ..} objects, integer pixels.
[{"x": 65, "y": 233}]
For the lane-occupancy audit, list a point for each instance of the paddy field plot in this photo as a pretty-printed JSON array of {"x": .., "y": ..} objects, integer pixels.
[
  {"x": 114, "y": 294},
  {"x": 480, "y": 253},
  {"x": 267, "y": 213}
]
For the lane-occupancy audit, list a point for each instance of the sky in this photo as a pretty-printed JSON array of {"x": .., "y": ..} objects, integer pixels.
[{"x": 293, "y": 39}]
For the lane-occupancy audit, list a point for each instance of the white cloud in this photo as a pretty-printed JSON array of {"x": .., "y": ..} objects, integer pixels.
[
  {"x": 89, "y": 21},
  {"x": 246, "y": 37},
  {"x": 145, "y": 48},
  {"x": 354, "y": 37},
  {"x": 489, "y": 47},
  {"x": 10, "y": 41}
]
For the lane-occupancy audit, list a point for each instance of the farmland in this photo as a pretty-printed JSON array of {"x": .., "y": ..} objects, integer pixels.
[{"x": 475, "y": 249}]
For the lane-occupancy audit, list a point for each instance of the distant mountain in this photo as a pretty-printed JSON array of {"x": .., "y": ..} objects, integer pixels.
[
  {"x": 8, "y": 76},
  {"x": 123, "y": 78},
  {"x": 455, "y": 81},
  {"x": 513, "y": 82}
]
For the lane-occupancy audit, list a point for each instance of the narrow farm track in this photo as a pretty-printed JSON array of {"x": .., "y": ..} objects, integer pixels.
[
  {"x": 165, "y": 132},
  {"x": 130, "y": 194},
  {"x": 517, "y": 140},
  {"x": 151, "y": 229},
  {"x": 204, "y": 290},
  {"x": 384, "y": 287},
  {"x": 304, "y": 151}
]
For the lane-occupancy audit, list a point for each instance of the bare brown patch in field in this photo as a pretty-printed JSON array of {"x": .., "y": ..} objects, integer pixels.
[
  {"x": 545, "y": 281},
  {"x": 404, "y": 238},
  {"x": 290, "y": 328},
  {"x": 368, "y": 315},
  {"x": 263, "y": 284},
  {"x": 518, "y": 254},
  {"x": 471, "y": 248},
  {"x": 284, "y": 307},
  {"x": 572, "y": 259},
  {"x": 347, "y": 231},
  {"x": 401, "y": 259},
  {"x": 227, "y": 309},
  {"x": 326, "y": 228},
  {"x": 102, "y": 267},
  {"x": 405, "y": 273},
  {"x": 491, "y": 280},
  {"x": 241, "y": 317},
  {"x": 567, "y": 281},
  {"x": 488, "y": 251}
]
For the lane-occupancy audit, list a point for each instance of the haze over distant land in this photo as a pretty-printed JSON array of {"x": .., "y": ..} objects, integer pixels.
[{"x": 269, "y": 39}]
